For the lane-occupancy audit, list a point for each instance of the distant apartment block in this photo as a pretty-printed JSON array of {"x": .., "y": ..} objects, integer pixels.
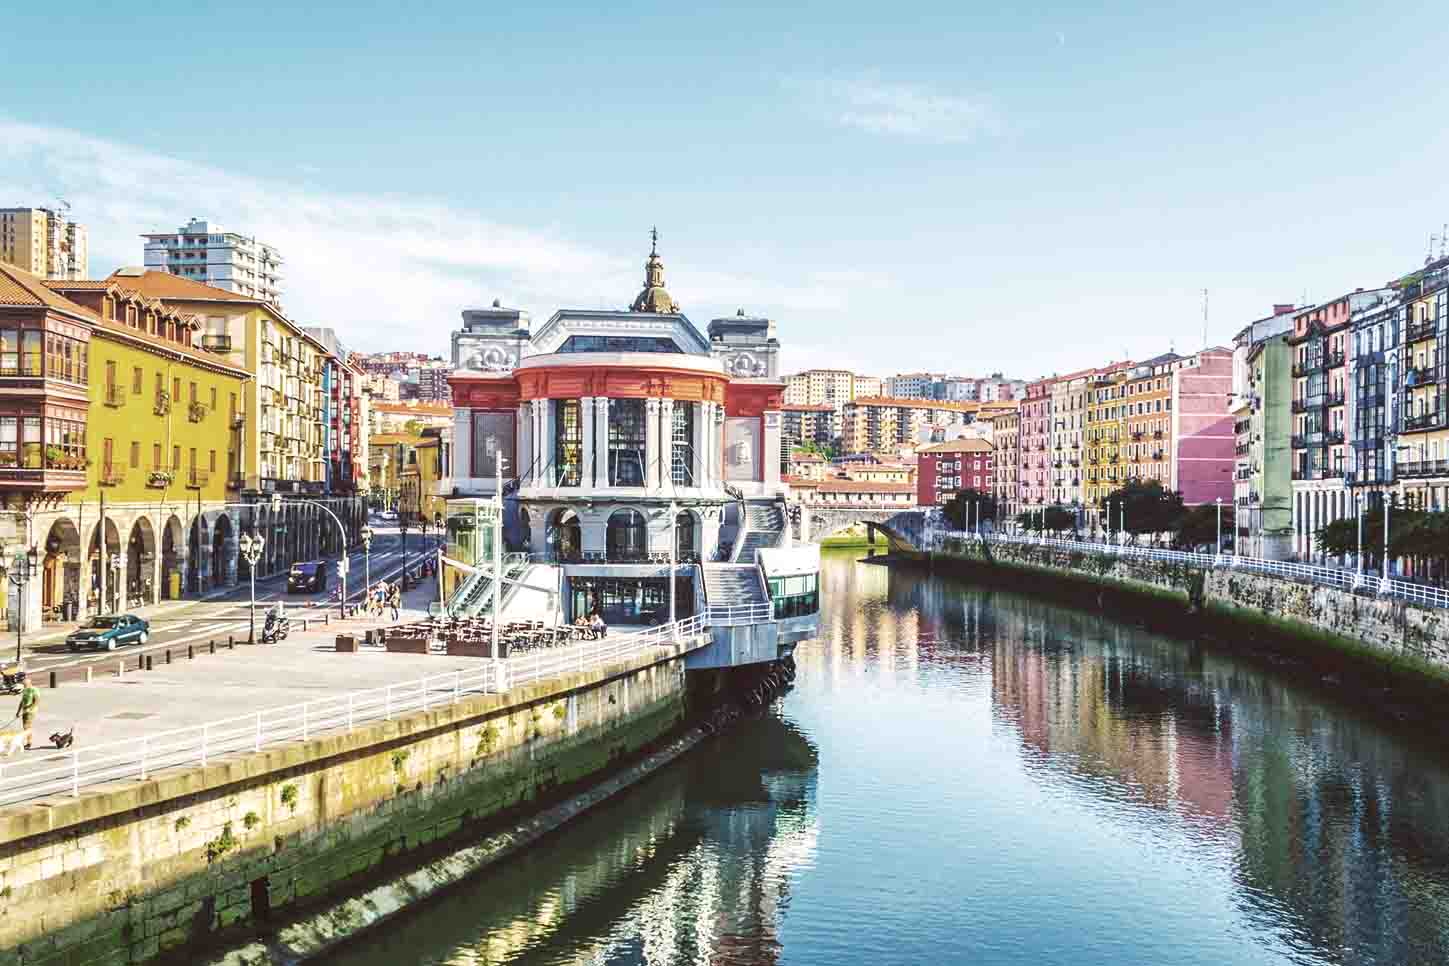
[
  {"x": 205, "y": 252},
  {"x": 945, "y": 469},
  {"x": 43, "y": 242}
]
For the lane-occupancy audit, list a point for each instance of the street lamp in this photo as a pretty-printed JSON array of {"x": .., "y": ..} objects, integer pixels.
[
  {"x": 1218, "y": 547},
  {"x": 403, "y": 525},
  {"x": 22, "y": 568},
  {"x": 366, "y": 562},
  {"x": 116, "y": 588},
  {"x": 251, "y": 550},
  {"x": 673, "y": 548}
]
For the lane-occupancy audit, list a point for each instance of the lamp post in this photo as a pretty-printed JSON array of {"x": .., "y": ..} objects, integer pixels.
[
  {"x": 366, "y": 562},
  {"x": 116, "y": 587},
  {"x": 22, "y": 569},
  {"x": 1358, "y": 515},
  {"x": 403, "y": 525},
  {"x": 497, "y": 546},
  {"x": 1384, "y": 581},
  {"x": 251, "y": 551},
  {"x": 673, "y": 547},
  {"x": 1218, "y": 547}
]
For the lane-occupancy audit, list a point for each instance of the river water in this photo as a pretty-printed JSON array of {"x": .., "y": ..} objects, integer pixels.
[{"x": 972, "y": 776}]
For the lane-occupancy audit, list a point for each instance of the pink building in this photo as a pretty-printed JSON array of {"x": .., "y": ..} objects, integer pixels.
[
  {"x": 1203, "y": 437},
  {"x": 1035, "y": 439}
]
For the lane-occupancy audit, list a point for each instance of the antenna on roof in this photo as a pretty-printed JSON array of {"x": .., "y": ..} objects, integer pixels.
[{"x": 1204, "y": 317}]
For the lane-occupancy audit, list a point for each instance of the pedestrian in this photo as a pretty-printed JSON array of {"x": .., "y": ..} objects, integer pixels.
[
  {"x": 29, "y": 703},
  {"x": 394, "y": 600}
]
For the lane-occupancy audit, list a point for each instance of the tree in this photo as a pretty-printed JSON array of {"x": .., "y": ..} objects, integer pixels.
[
  {"x": 1060, "y": 519},
  {"x": 1199, "y": 525},
  {"x": 1420, "y": 536},
  {"x": 1148, "y": 508},
  {"x": 969, "y": 507}
]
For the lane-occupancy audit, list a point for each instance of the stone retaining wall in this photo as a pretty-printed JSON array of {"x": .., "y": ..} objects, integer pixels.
[
  {"x": 127, "y": 872},
  {"x": 1385, "y": 628}
]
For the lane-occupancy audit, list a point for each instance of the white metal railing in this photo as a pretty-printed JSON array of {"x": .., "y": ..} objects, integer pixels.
[
  {"x": 140, "y": 757},
  {"x": 1341, "y": 578}
]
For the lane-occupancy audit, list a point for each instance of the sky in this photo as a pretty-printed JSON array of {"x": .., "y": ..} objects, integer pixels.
[{"x": 945, "y": 186}]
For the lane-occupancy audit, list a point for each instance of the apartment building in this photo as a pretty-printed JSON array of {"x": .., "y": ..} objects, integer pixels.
[
  {"x": 1106, "y": 430},
  {"x": 1146, "y": 407},
  {"x": 945, "y": 469},
  {"x": 1423, "y": 440},
  {"x": 885, "y": 424},
  {"x": 43, "y": 242},
  {"x": 1262, "y": 426},
  {"x": 1006, "y": 460},
  {"x": 1035, "y": 436},
  {"x": 1066, "y": 436},
  {"x": 202, "y": 251}
]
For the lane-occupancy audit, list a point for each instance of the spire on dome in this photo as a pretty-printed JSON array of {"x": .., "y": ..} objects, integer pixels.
[{"x": 653, "y": 298}]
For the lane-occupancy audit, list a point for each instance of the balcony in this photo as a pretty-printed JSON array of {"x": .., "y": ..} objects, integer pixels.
[
  {"x": 1422, "y": 421},
  {"x": 115, "y": 397},
  {"x": 1419, "y": 331},
  {"x": 238, "y": 420},
  {"x": 1422, "y": 468},
  {"x": 162, "y": 404},
  {"x": 1334, "y": 360},
  {"x": 196, "y": 412},
  {"x": 196, "y": 479},
  {"x": 1158, "y": 434},
  {"x": 216, "y": 342},
  {"x": 1298, "y": 442},
  {"x": 112, "y": 474},
  {"x": 1419, "y": 375},
  {"x": 236, "y": 482},
  {"x": 1158, "y": 454},
  {"x": 1307, "y": 367},
  {"x": 159, "y": 478},
  {"x": 1333, "y": 437}
]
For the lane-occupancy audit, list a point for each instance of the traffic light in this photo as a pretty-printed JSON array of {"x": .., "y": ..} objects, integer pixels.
[{"x": 341, "y": 569}]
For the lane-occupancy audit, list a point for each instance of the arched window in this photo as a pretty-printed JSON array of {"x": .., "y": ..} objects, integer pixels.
[
  {"x": 626, "y": 538},
  {"x": 686, "y": 541},
  {"x": 562, "y": 534}
]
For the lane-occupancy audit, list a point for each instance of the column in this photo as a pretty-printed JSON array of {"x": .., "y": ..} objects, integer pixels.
[
  {"x": 541, "y": 442},
  {"x": 770, "y": 472},
  {"x": 547, "y": 417},
  {"x": 601, "y": 439},
  {"x": 523, "y": 445},
  {"x": 666, "y": 443},
  {"x": 701, "y": 444},
  {"x": 586, "y": 433},
  {"x": 463, "y": 445},
  {"x": 714, "y": 443},
  {"x": 651, "y": 443}
]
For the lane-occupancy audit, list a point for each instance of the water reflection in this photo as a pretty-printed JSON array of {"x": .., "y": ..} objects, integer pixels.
[{"x": 998, "y": 780}]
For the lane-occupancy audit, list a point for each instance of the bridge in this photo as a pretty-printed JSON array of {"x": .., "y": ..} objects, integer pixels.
[{"x": 901, "y": 530}]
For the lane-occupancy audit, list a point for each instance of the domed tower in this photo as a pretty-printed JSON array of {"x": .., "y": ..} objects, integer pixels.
[{"x": 654, "y": 298}]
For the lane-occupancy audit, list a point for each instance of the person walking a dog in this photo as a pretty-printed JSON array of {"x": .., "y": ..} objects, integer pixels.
[{"x": 29, "y": 702}]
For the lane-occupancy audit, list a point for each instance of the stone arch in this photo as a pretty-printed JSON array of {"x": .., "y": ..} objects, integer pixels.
[
  {"x": 61, "y": 565},
  {"x": 563, "y": 532},
  {"x": 626, "y": 536},
  {"x": 198, "y": 539},
  {"x": 173, "y": 556},
  {"x": 140, "y": 564},
  {"x": 112, "y": 601},
  {"x": 223, "y": 552}
]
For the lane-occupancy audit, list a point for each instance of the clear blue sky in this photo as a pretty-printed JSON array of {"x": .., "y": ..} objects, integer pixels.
[{"x": 922, "y": 186}]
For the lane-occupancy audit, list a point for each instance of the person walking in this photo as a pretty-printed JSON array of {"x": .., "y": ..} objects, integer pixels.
[
  {"x": 394, "y": 600},
  {"x": 29, "y": 704}
]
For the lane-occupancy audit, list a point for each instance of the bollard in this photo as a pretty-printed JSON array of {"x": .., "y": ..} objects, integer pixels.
[
  {"x": 121, "y": 668},
  {"x": 168, "y": 655},
  {"x": 88, "y": 674},
  {"x": 230, "y": 642},
  {"x": 213, "y": 646},
  {"x": 54, "y": 680},
  {"x": 191, "y": 652},
  {"x": 304, "y": 627},
  {"x": 149, "y": 665}
]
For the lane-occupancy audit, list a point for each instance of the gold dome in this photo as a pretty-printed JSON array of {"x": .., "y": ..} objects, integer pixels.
[{"x": 653, "y": 298}]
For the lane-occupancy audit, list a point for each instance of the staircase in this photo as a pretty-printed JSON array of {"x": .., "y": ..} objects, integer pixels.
[
  {"x": 729, "y": 585},
  {"x": 474, "y": 596},
  {"x": 764, "y": 526}
]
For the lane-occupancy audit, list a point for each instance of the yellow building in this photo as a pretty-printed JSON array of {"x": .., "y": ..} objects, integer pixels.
[
  {"x": 1422, "y": 466},
  {"x": 128, "y": 436},
  {"x": 283, "y": 416},
  {"x": 1106, "y": 428}
]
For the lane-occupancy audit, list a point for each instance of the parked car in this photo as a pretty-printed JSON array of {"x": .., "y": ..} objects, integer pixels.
[
  {"x": 110, "y": 631},
  {"x": 388, "y": 515},
  {"x": 307, "y": 577}
]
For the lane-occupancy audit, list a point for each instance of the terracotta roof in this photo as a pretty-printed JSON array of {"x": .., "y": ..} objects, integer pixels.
[
  {"x": 19, "y": 287},
  {"x": 807, "y": 408},
  {"x": 422, "y": 409},
  {"x": 914, "y": 403},
  {"x": 800, "y": 456},
  {"x": 799, "y": 481},
  {"x": 865, "y": 486},
  {"x": 164, "y": 285},
  {"x": 959, "y": 446}
]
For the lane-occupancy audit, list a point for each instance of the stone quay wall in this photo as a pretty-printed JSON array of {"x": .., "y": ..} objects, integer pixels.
[
  {"x": 1384, "y": 629},
  {"x": 136, "y": 870}
]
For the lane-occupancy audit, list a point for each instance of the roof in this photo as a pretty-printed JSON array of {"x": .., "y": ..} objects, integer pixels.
[
  {"x": 801, "y": 456},
  {"x": 388, "y": 439},
  {"x": 866, "y": 486},
  {"x": 959, "y": 446},
  {"x": 799, "y": 481},
  {"x": 19, "y": 287},
  {"x": 807, "y": 408},
  {"x": 915, "y": 403},
  {"x": 415, "y": 409},
  {"x": 164, "y": 285}
]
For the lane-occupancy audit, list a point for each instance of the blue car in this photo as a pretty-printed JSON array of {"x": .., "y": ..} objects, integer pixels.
[{"x": 109, "y": 632}]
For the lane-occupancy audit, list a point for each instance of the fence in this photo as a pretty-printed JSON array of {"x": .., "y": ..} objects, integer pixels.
[
  {"x": 1342, "y": 579},
  {"x": 197, "y": 745}
]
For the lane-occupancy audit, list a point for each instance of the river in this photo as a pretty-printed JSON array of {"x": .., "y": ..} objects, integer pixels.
[{"x": 971, "y": 776}]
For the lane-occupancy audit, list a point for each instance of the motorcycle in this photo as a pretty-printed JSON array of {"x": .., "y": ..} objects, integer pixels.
[
  {"x": 275, "y": 629},
  {"x": 12, "y": 678}
]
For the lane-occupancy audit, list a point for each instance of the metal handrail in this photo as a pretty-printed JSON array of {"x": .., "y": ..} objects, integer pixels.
[
  {"x": 1326, "y": 576},
  {"x": 140, "y": 757}
]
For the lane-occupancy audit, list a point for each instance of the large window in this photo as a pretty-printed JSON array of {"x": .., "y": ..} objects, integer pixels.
[
  {"x": 627, "y": 537},
  {"x": 618, "y": 343},
  {"x": 626, "y": 442},
  {"x": 21, "y": 352},
  {"x": 568, "y": 443},
  {"x": 682, "y": 464},
  {"x": 795, "y": 596},
  {"x": 65, "y": 358},
  {"x": 493, "y": 434},
  {"x": 25, "y": 441}
]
